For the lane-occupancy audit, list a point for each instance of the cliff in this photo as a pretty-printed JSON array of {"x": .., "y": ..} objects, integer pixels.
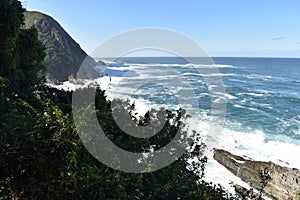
[
  {"x": 64, "y": 55},
  {"x": 284, "y": 182}
]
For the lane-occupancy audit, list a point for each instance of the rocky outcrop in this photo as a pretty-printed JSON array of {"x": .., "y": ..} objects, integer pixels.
[
  {"x": 64, "y": 55},
  {"x": 284, "y": 182},
  {"x": 246, "y": 194}
]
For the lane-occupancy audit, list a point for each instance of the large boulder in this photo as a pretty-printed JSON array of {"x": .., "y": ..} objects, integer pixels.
[
  {"x": 284, "y": 182},
  {"x": 64, "y": 55}
]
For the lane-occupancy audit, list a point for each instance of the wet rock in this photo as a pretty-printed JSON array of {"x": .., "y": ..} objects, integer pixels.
[{"x": 284, "y": 182}]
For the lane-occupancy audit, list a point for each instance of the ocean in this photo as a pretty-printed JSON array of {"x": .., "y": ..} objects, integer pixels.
[
  {"x": 263, "y": 94},
  {"x": 262, "y": 119}
]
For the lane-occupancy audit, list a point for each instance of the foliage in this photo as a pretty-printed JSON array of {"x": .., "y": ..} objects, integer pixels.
[
  {"x": 21, "y": 53},
  {"x": 31, "y": 54},
  {"x": 11, "y": 18}
]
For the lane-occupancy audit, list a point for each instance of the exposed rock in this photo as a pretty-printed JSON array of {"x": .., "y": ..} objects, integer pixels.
[
  {"x": 64, "y": 55},
  {"x": 244, "y": 193},
  {"x": 72, "y": 79},
  {"x": 284, "y": 182},
  {"x": 101, "y": 63}
]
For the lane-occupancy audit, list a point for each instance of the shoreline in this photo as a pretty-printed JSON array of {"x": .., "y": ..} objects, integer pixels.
[
  {"x": 275, "y": 181},
  {"x": 254, "y": 140}
]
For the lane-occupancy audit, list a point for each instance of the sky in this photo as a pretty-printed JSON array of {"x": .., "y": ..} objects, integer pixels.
[{"x": 232, "y": 28}]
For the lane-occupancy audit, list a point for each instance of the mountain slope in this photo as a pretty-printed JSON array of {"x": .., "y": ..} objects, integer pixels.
[{"x": 64, "y": 55}]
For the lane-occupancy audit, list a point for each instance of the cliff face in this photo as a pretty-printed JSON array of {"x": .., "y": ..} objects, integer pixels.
[
  {"x": 64, "y": 55},
  {"x": 284, "y": 182}
]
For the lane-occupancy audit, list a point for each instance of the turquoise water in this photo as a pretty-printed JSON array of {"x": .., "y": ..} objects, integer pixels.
[
  {"x": 264, "y": 93},
  {"x": 267, "y": 95},
  {"x": 262, "y": 102}
]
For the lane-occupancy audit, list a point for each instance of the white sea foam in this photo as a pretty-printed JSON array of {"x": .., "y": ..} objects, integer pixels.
[
  {"x": 258, "y": 76},
  {"x": 256, "y": 146},
  {"x": 212, "y": 66},
  {"x": 225, "y": 66},
  {"x": 229, "y": 96},
  {"x": 251, "y": 144},
  {"x": 207, "y": 75},
  {"x": 67, "y": 86},
  {"x": 254, "y": 94},
  {"x": 146, "y": 65},
  {"x": 238, "y": 106},
  {"x": 239, "y": 80}
]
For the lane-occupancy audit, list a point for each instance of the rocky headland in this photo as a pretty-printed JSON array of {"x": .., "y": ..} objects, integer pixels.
[{"x": 64, "y": 55}]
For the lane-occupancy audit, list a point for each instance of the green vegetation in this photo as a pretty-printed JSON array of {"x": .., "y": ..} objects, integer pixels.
[{"x": 41, "y": 155}]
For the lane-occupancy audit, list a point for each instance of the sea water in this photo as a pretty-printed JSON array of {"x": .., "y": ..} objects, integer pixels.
[{"x": 262, "y": 118}]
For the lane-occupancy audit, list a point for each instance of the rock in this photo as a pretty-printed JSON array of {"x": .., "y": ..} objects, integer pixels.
[
  {"x": 64, "y": 55},
  {"x": 101, "y": 63},
  {"x": 244, "y": 193},
  {"x": 284, "y": 182},
  {"x": 72, "y": 79}
]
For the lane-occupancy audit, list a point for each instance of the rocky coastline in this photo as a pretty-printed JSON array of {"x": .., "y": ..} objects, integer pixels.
[{"x": 275, "y": 181}]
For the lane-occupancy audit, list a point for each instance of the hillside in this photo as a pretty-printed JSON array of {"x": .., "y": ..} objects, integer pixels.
[{"x": 64, "y": 55}]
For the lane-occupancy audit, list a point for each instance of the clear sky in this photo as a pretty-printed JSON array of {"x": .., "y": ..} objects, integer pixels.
[{"x": 257, "y": 28}]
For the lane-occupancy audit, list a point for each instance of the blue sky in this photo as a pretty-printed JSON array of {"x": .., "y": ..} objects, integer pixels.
[{"x": 256, "y": 28}]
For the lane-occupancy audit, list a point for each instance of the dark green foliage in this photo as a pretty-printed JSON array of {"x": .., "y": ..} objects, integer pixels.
[
  {"x": 41, "y": 155},
  {"x": 11, "y": 18},
  {"x": 31, "y": 54},
  {"x": 21, "y": 53}
]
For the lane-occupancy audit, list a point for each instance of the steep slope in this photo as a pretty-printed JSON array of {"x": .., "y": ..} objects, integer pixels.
[{"x": 64, "y": 55}]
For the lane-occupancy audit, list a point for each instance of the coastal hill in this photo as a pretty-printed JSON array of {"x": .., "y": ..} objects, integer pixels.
[{"x": 64, "y": 56}]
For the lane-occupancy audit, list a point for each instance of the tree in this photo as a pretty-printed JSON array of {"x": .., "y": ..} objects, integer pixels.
[
  {"x": 11, "y": 19},
  {"x": 21, "y": 53},
  {"x": 30, "y": 57}
]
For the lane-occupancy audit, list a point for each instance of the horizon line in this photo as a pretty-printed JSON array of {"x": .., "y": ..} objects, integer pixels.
[{"x": 204, "y": 57}]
